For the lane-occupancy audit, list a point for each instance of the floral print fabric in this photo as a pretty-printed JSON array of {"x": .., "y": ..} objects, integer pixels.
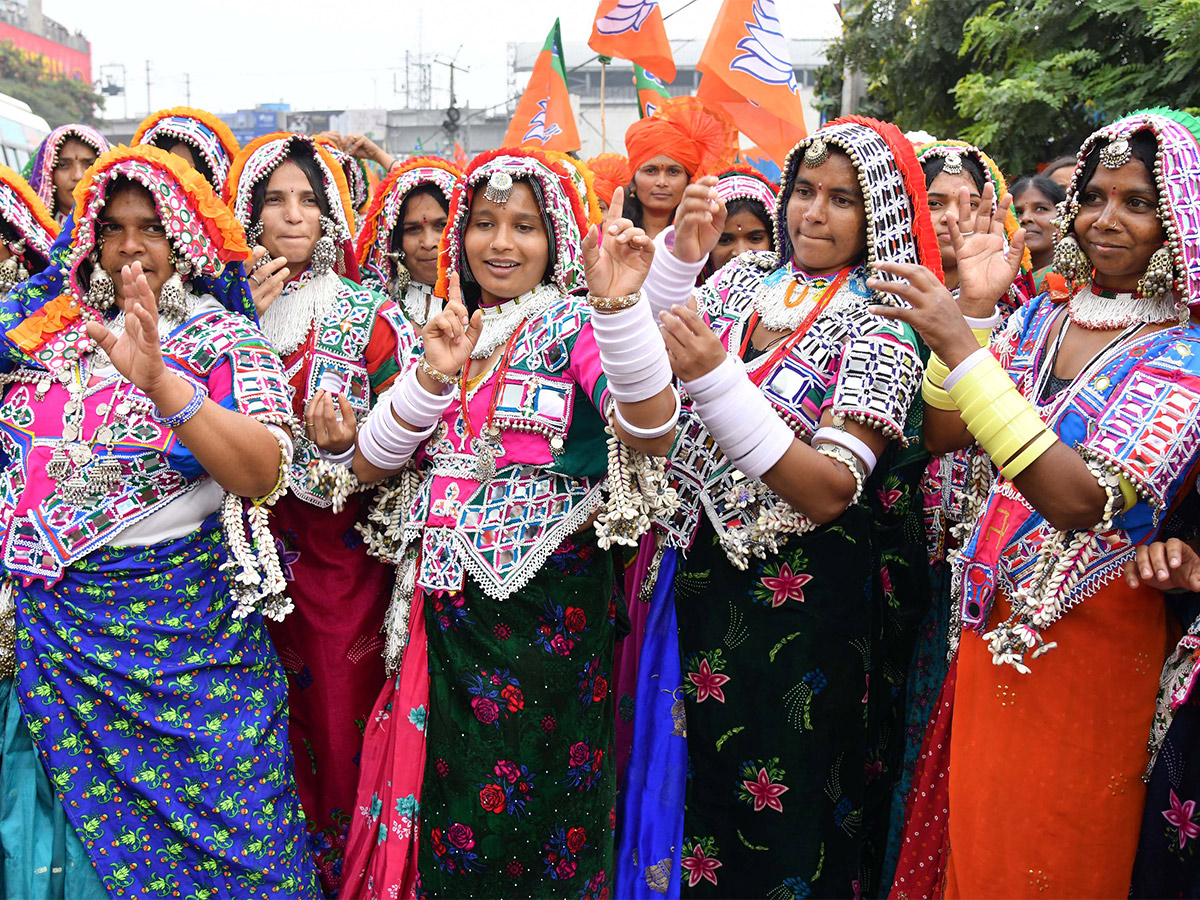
[{"x": 518, "y": 793}]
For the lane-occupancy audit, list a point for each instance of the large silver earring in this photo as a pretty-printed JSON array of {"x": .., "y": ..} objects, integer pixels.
[
  {"x": 101, "y": 292},
  {"x": 1159, "y": 277},
  {"x": 254, "y": 233},
  {"x": 401, "y": 277},
  {"x": 172, "y": 299},
  {"x": 325, "y": 253},
  {"x": 12, "y": 272},
  {"x": 1071, "y": 262}
]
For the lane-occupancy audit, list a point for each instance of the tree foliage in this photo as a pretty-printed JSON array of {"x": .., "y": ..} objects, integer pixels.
[
  {"x": 55, "y": 98},
  {"x": 1026, "y": 79}
]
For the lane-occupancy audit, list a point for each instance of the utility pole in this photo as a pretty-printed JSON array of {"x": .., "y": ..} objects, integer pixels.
[
  {"x": 149, "y": 108},
  {"x": 187, "y": 88},
  {"x": 450, "y": 125}
]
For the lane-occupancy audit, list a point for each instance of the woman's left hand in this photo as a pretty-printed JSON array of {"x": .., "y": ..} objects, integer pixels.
[
  {"x": 932, "y": 310},
  {"x": 137, "y": 353},
  {"x": 692, "y": 347},
  {"x": 322, "y": 426},
  {"x": 616, "y": 264},
  {"x": 985, "y": 269}
]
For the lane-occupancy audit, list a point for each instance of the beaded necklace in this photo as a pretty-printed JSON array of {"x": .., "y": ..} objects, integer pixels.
[
  {"x": 1097, "y": 309},
  {"x": 828, "y": 292}
]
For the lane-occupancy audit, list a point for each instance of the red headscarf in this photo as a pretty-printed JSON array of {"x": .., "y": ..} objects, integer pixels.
[
  {"x": 687, "y": 131},
  {"x": 610, "y": 171}
]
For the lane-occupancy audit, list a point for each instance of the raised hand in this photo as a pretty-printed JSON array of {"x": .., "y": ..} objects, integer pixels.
[
  {"x": 322, "y": 425},
  {"x": 692, "y": 347},
  {"x": 699, "y": 220},
  {"x": 449, "y": 337},
  {"x": 987, "y": 264},
  {"x": 616, "y": 253},
  {"x": 1165, "y": 565},
  {"x": 137, "y": 353},
  {"x": 266, "y": 279},
  {"x": 932, "y": 310}
]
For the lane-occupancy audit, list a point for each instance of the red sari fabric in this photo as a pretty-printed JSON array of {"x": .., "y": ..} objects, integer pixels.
[{"x": 381, "y": 851}]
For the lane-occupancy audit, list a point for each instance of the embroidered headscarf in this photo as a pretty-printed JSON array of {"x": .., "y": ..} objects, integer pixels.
[
  {"x": 950, "y": 149},
  {"x": 893, "y": 185},
  {"x": 384, "y": 213},
  {"x": 263, "y": 155},
  {"x": 40, "y": 170},
  {"x": 741, "y": 182},
  {"x": 584, "y": 181},
  {"x": 27, "y": 215},
  {"x": 201, "y": 229},
  {"x": 687, "y": 131},
  {"x": 609, "y": 172},
  {"x": 200, "y": 130},
  {"x": 1177, "y": 178},
  {"x": 358, "y": 178},
  {"x": 561, "y": 210}
]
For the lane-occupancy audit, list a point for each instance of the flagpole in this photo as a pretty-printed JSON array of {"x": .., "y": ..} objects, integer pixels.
[{"x": 604, "y": 61}]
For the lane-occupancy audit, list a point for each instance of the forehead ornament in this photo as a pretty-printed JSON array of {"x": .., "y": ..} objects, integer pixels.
[
  {"x": 953, "y": 163},
  {"x": 499, "y": 188},
  {"x": 1115, "y": 153},
  {"x": 816, "y": 154}
]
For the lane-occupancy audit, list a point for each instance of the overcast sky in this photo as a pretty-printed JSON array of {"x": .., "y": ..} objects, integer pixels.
[{"x": 340, "y": 54}]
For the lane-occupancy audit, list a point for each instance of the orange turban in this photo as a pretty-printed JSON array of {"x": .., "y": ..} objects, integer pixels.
[
  {"x": 611, "y": 171},
  {"x": 686, "y": 130}
]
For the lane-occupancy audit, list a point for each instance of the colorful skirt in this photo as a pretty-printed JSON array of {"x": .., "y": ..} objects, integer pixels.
[
  {"x": 786, "y": 705},
  {"x": 331, "y": 648},
  {"x": 161, "y": 722}
]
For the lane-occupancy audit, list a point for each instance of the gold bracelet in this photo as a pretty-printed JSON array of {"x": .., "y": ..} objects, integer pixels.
[
  {"x": 440, "y": 377},
  {"x": 614, "y": 304}
]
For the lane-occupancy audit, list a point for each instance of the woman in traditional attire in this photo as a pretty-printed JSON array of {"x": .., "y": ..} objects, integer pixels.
[
  {"x": 1089, "y": 411},
  {"x": 59, "y": 163},
  {"x": 145, "y": 739},
  {"x": 1035, "y": 203},
  {"x": 683, "y": 140},
  {"x": 749, "y": 198},
  {"x": 399, "y": 238},
  {"x": 609, "y": 172},
  {"x": 797, "y": 605},
  {"x": 342, "y": 345},
  {"x": 499, "y": 725},
  {"x": 27, "y": 231},
  {"x": 203, "y": 140}
]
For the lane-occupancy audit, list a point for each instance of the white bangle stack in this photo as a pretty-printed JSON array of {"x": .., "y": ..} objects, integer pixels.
[
  {"x": 740, "y": 418},
  {"x": 387, "y": 444},
  {"x": 670, "y": 280},
  {"x": 634, "y": 359}
]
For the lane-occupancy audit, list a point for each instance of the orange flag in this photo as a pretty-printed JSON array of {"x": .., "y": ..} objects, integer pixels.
[
  {"x": 748, "y": 75},
  {"x": 544, "y": 119},
  {"x": 634, "y": 30}
]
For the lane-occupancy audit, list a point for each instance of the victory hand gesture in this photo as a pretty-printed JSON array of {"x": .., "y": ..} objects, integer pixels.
[
  {"x": 616, "y": 254},
  {"x": 985, "y": 270},
  {"x": 137, "y": 353},
  {"x": 449, "y": 337},
  {"x": 699, "y": 220}
]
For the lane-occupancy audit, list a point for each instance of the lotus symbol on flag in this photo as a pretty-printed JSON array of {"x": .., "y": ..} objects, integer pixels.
[
  {"x": 538, "y": 130},
  {"x": 629, "y": 15},
  {"x": 764, "y": 50},
  {"x": 651, "y": 109}
]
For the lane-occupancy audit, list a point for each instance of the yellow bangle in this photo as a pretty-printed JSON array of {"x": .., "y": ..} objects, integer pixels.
[
  {"x": 936, "y": 371},
  {"x": 935, "y": 396},
  {"x": 983, "y": 335},
  {"x": 1129, "y": 492},
  {"x": 1029, "y": 455},
  {"x": 1016, "y": 434}
]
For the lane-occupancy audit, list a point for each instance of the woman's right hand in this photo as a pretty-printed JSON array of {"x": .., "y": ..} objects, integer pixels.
[
  {"x": 1165, "y": 565},
  {"x": 449, "y": 337},
  {"x": 266, "y": 279},
  {"x": 699, "y": 220}
]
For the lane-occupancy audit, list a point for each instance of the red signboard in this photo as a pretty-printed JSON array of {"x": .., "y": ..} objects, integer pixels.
[{"x": 59, "y": 59}]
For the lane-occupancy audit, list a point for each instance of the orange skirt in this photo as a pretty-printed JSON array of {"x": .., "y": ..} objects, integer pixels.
[{"x": 1046, "y": 769}]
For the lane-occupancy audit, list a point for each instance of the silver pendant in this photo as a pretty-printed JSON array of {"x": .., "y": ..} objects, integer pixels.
[{"x": 485, "y": 461}]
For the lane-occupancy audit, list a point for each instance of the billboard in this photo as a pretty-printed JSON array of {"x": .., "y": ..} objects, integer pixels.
[{"x": 58, "y": 58}]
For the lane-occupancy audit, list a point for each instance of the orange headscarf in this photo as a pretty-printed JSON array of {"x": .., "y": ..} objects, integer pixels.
[
  {"x": 686, "y": 130},
  {"x": 611, "y": 171}
]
